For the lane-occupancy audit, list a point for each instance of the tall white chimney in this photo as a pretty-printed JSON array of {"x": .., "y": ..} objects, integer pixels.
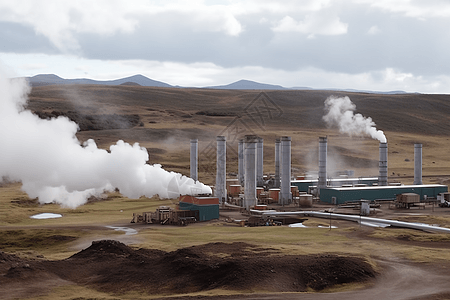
[
  {"x": 250, "y": 171},
  {"x": 241, "y": 162},
  {"x": 277, "y": 162},
  {"x": 322, "y": 183},
  {"x": 418, "y": 164},
  {"x": 221, "y": 164},
  {"x": 285, "y": 189},
  {"x": 194, "y": 159},
  {"x": 383, "y": 165},
  {"x": 259, "y": 162}
]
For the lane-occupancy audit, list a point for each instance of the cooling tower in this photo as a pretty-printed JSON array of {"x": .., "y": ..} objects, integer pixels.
[
  {"x": 221, "y": 164},
  {"x": 194, "y": 159},
  {"x": 285, "y": 189},
  {"x": 417, "y": 163},
  {"x": 383, "y": 165},
  {"x": 259, "y": 162},
  {"x": 250, "y": 171},
  {"x": 322, "y": 183}
]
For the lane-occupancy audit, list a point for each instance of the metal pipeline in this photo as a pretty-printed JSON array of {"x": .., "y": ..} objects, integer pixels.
[{"x": 324, "y": 215}]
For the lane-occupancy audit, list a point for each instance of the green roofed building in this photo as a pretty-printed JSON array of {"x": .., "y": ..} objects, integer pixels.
[
  {"x": 341, "y": 195},
  {"x": 206, "y": 212}
]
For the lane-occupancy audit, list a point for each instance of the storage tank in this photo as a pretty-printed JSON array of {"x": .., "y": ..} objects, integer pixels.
[
  {"x": 305, "y": 200},
  {"x": 234, "y": 190},
  {"x": 274, "y": 194}
]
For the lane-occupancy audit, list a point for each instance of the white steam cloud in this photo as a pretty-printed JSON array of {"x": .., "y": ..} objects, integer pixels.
[
  {"x": 339, "y": 112},
  {"x": 52, "y": 164}
]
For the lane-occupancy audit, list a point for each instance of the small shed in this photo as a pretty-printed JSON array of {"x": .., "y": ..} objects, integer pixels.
[
  {"x": 206, "y": 212},
  {"x": 408, "y": 198},
  {"x": 207, "y": 207}
]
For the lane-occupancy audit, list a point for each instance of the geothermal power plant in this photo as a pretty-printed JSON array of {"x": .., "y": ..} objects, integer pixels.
[
  {"x": 250, "y": 177},
  {"x": 254, "y": 192}
]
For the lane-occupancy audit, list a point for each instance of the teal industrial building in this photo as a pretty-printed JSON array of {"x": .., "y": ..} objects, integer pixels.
[
  {"x": 304, "y": 184},
  {"x": 339, "y": 195}
]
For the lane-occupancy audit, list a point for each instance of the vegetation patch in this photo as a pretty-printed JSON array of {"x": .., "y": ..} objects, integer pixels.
[{"x": 21, "y": 240}]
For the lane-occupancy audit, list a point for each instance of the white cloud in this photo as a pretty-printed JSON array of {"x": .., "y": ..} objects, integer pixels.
[
  {"x": 413, "y": 8},
  {"x": 320, "y": 23},
  {"x": 61, "y": 21},
  {"x": 374, "y": 30}
]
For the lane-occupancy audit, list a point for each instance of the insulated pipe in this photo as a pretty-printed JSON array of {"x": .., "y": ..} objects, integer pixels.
[
  {"x": 285, "y": 188},
  {"x": 322, "y": 183},
  {"x": 417, "y": 164},
  {"x": 259, "y": 162},
  {"x": 194, "y": 159},
  {"x": 221, "y": 174},
  {"x": 241, "y": 162},
  {"x": 357, "y": 218},
  {"x": 383, "y": 165},
  {"x": 277, "y": 163},
  {"x": 250, "y": 171}
]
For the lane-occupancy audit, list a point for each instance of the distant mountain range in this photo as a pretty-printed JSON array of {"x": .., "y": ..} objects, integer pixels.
[{"x": 51, "y": 79}]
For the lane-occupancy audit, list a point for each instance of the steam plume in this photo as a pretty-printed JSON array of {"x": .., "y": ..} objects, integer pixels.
[
  {"x": 52, "y": 164},
  {"x": 339, "y": 112}
]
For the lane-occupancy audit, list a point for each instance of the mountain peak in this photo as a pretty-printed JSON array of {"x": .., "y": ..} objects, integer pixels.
[{"x": 245, "y": 84}]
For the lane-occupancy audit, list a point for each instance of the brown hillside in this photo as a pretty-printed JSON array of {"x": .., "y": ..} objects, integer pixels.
[
  {"x": 409, "y": 113},
  {"x": 164, "y": 119}
]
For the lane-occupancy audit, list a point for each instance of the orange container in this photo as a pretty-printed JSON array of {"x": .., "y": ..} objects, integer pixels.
[
  {"x": 234, "y": 190},
  {"x": 231, "y": 182},
  {"x": 259, "y": 190},
  {"x": 274, "y": 194}
]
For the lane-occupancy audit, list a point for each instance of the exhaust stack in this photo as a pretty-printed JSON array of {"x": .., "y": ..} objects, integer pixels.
[
  {"x": 277, "y": 163},
  {"x": 418, "y": 164},
  {"x": 259, "y": 162},
  {"x": 194, "y": 159},
  {"x": 241, "y": 162},
  {"x": 250, "y": 171},
  {"x": 383, "y": 165},
  {"x": 221, "y": 174},
  {"x": 322, "y": 183},
  {"x": 285, "y": 190}
]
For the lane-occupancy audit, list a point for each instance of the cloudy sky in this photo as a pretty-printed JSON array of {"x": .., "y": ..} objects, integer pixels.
[{"x": 379, "y": 45}]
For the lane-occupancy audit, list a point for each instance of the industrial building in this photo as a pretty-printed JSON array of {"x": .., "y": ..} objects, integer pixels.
[
  {"x": 305, "y": 185},
  {"x": 339, "y": 195}
]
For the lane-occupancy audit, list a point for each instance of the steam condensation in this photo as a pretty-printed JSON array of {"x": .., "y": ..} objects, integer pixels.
[{"x": 52, "y": 164}]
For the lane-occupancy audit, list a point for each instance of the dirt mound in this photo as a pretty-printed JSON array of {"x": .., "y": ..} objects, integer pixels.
[
  {"x": 104, "y": 249},
  {"x": 112, "y": 266}
]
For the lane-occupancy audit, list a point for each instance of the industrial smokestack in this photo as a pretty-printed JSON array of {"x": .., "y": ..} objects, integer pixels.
[
  {"x": 259, "y": 162},
  {"x": 250, "y": 171},
  {"x": 277, "y": 162},
  {"x": 194, "y": 159},
  {"x": 322, "y": 164},
  {"x": 417, "y": 163},
  {"x": 241, "y": 162},
  {"x": 221, "y": 175},
  {"x": 383, "y": 165},
  {"x": 285, "y": 189}
]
